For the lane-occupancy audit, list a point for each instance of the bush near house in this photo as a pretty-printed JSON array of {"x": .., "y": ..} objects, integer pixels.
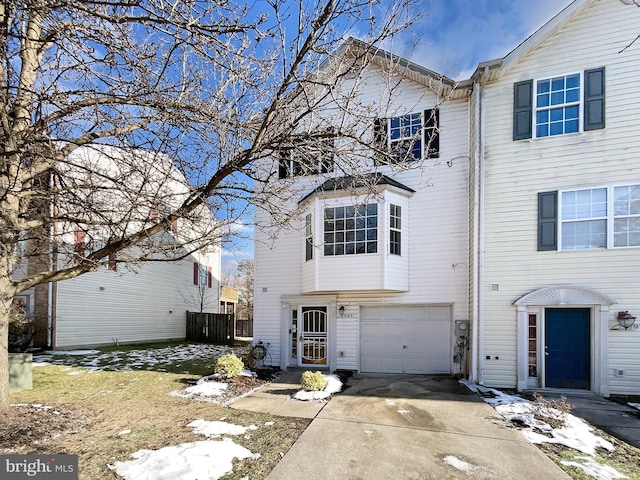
[
  {"x": 21, "y": 331},
  {"x": 313, "y": 381},
  {"x": 228, "y": 366}
]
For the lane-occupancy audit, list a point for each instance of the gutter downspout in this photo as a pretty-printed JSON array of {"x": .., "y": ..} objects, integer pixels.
[
  {"x": 478, "y": 237},
  {"x": 481, "y": 234}
]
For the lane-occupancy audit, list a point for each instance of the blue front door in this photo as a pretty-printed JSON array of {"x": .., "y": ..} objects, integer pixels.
[{"x": 567, "y": 348}]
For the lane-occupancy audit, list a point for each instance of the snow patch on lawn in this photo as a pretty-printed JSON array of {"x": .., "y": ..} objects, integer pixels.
[
  {"x": 334, "y": 385},
  {"x": 205, "y": 389},
  {"x": 595, "y": 469},
  {"x": 217, "y": 428},
  {"x": 151, "y": 358},
  {"x": 204, "y": 460}
]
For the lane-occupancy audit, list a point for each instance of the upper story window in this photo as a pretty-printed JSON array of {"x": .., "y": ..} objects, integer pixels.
[
  {"x": 351, "y": 230},
  {"x": 395, "y": 229},
  {"x": 605, "y": 217},
  {"x": 559, "y": 105},
  {"x": 202, "y": 275},
  {"x": 584, "y": 219},
  {"x": 307, "y": 156},
  {"x": 409, "y": 137}
]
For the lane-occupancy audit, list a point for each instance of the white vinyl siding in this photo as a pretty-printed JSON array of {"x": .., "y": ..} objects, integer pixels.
[
  {"x": 148, "y": 304},
  {"x": 432, "y": 267},
  {"x": 515, "y": 172}
]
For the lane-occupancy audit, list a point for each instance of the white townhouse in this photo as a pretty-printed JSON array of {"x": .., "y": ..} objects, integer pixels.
[
  {"x": 120, "y": 303},
  {"x": 373, "y": 274},
  {"x": 510, "y": 255},
  {"x": 556, "y": 190}
]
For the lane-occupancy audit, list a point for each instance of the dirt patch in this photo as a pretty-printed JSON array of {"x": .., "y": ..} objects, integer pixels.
[{"x": 34, "y": 426}]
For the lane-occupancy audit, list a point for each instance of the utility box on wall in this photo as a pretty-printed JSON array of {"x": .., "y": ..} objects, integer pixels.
[
  {"x": 461, "y": 328},
  {"x": 20, "y": 372}
]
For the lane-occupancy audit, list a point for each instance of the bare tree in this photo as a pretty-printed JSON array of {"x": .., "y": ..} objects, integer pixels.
[{"x": 208, "y": 88}]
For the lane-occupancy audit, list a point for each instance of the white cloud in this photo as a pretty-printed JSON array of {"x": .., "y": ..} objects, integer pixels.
[{"x": 456, "y": 35}]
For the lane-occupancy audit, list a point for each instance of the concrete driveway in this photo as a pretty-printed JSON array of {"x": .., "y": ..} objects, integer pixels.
[{"x": 411, "y": 427}]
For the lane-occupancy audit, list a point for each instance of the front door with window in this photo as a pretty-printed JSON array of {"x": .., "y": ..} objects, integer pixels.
[
  {"x": 312, "y": 343},
  {"x": 567, "y": 348}
]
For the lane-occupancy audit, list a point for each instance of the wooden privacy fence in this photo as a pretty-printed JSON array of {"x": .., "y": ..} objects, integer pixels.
[
  {"x": 244, "y": 328},
  {"x": 210, "y": 327}
]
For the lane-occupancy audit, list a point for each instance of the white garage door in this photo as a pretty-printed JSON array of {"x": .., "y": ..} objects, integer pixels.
[{"x": 397, "y": 339}]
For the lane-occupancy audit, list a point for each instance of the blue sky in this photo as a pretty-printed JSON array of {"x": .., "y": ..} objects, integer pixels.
[
  {"x": 452, "y": 38},
  {"x": 455, "y": 35}
]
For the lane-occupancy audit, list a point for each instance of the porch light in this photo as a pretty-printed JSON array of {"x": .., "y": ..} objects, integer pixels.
[
  {"x": 341, "y": 311},
  {"x": 626, "y": 320}
]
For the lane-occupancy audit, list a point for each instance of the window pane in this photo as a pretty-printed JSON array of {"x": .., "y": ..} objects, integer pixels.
[
  {"x": 543, "y": 116},
  {"x": 573, "y": 95},
  {"x": 543, "y": 100},
  {"x": 544, "y": 86},
  {"x": 556, "y": 128},
  {"x": 557, "y": 98},
  {"x": 557, "y": 115},
  {"x": 571, "y": 113},
  {"x": 573, "y": 81},
  {"x": 557, "y": 84},
  {"x": 542, "y": 131},
  {"x": 571, "y": 126}
]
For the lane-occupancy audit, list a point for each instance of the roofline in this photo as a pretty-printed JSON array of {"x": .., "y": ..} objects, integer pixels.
[
  {"x": 385, "y": 58},
  {"x": 533, "y": 40}
]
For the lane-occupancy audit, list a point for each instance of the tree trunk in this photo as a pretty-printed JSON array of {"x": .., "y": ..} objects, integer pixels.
[{"x": 6, "y": 297}]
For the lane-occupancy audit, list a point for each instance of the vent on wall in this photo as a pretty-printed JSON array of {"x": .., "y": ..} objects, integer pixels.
[{"x": 495, "y": 287}]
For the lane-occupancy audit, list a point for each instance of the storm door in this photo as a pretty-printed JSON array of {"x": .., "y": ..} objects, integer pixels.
[{"x": 312, "y": 347}]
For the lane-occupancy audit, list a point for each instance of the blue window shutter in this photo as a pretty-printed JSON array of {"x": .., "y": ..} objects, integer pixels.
[
  {"x": 594, "y": 99},
  {"x": 547, "y": 221},
  {"x": 522, "y": 109},
  {"x": 432, "y": 133}
]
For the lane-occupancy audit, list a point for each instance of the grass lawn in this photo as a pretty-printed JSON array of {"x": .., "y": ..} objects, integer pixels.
[{"x": 96, "y": 404}]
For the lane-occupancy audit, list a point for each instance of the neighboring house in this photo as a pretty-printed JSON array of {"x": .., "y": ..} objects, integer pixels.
[
  {"x": 228, "y": 299},
  {"x": 529, "y": 229},
  {"x": 120, "y": 302},
  {"x": 373, "y": 274},
  {"x": 557, "y": 177}
]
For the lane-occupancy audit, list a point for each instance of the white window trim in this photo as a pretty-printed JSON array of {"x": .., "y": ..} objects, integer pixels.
[
  {"x": 535, "y": 105},
  {"x": 394, "y": 229},
  {"x": 610, "y": 218}
]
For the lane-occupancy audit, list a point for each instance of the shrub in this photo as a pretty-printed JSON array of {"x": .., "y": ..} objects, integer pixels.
[
  {"x": 21, "y": 331},
  {"x": 313, "y": 381},
  {"x": 228, "y": 366},
  {"x": 552, "y": 412}
]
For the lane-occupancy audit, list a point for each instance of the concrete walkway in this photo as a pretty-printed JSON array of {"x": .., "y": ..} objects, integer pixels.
[
  {"x": 619, "y": 420},
  {"x": 400, "y": 427}
]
